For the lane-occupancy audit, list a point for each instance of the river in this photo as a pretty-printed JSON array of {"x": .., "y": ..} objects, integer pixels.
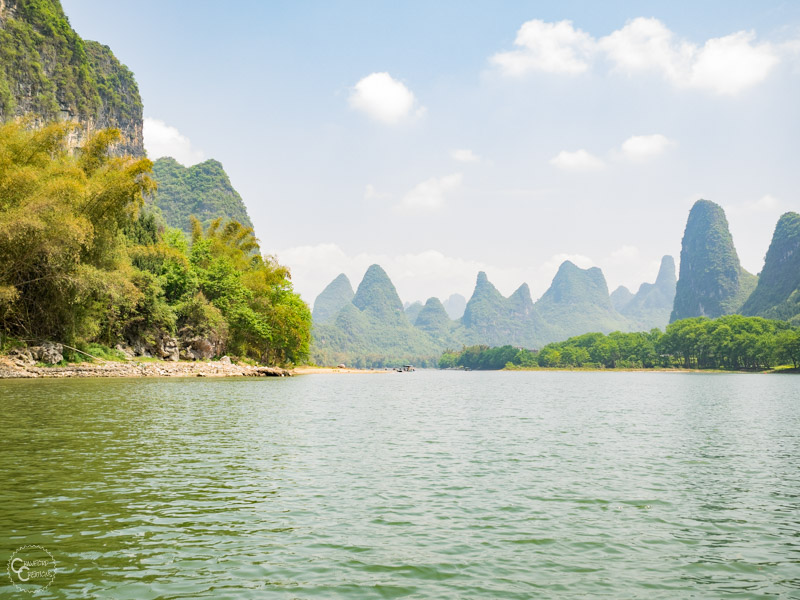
[{"x": 419, "y": 485}]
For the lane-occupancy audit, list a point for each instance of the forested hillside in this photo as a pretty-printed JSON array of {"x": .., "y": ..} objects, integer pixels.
[
  {"x": 202, "y": 191},
  {"x": 82, "y": 261}
]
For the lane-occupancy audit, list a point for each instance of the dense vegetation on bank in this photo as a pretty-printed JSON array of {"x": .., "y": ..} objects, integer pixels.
[
  {"x": 82, "y": 262},
  {"x": 730, "y": 342}
]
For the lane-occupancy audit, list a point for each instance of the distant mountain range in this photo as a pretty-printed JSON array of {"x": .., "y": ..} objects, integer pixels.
[{"x": 372, "y": 327}]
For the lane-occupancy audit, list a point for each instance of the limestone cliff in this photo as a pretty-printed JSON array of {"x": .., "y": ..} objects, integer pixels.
[{"x": 48, "y": 72}]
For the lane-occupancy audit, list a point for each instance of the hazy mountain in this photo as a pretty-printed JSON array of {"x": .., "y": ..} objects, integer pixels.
[
  {"x": 412, "y": 309},
  {"x": 455, "y": 306},
  {"x": 372, "y": 329},
  {"x": 652, "y": 305},
  {"x": 203, "y": 190},
  {"x": 620, "y": 297},
  {"x": 434, "y": 320},
  {"x": 332, "y": 299},
  {"x": 578, "y": 302},
  {"x": 712, "y": 282},
  {"x": 491, "y": 318},
  {"x": 777, "y": 295}
]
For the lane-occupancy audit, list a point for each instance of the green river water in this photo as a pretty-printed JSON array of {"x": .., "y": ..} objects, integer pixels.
[{"x": 422, "y": 485}]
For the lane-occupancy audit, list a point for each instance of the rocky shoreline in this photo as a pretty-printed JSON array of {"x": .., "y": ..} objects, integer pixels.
[{"x": 11, "y": 369}]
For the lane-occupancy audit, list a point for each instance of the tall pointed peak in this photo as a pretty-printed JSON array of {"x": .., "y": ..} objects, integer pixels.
[
  {"x": 777, "y": 294},
  {"x": 666, "y": 272},
  {"x": 712, "y": 281},
  {"x": 332, "y": 299},
  {"x": 377, "y": 293}
]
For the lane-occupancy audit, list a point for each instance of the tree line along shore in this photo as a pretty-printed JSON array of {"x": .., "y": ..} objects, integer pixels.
[{"x": 732, "y": 342}]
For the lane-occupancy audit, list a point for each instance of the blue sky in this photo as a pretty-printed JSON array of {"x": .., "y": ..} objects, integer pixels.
[{"x": 443, "y": 138}]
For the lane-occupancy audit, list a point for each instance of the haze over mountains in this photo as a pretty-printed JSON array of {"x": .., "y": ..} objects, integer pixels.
[
  {"x": 372, "y": 326},
  {"x": 712, "y": 283}
]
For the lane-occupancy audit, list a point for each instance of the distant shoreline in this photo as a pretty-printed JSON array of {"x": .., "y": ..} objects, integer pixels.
[{"x": 10, "y": 369}]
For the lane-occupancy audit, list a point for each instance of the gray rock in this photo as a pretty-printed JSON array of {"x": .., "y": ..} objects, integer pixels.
[
  {"x": 225, "y": 360},
  {"x": 168, "y": 348},
  {"x": 197, "y": 348},
  {"x": 126, "y": 350},
  {"x": 49, "y": 353},
  {"x": 22, "y": 357}
]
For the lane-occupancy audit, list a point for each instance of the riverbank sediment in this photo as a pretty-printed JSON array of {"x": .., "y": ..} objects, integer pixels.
[{"x": 15, "y": 369}]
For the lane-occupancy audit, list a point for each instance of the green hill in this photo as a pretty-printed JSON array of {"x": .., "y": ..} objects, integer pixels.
[
  {"x": 48, "y": 72},
  {"x": 332, "y": 299},
  {"x": 203, "y": 190},
  {"x": 578, "y": 302},
  {"x": 373, "y": 329},
  {"x": 777, "y": 295},
  {"x": 412, "y": 311},
  {"x": 652, "y": 304},
  {"x": 712, "y": 282}
]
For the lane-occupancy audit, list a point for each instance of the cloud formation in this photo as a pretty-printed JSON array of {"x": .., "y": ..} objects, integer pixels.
[
  {"x": 547, "y": 47},
  {"x": 161, "y": 139},
  {"x": 431, "y": 193},
  {"x": 726, "y": 65},
  {"x": 383, "y": 98},
  {"x": 640, "y": 148},
  {"x": 579, "y": 160}
]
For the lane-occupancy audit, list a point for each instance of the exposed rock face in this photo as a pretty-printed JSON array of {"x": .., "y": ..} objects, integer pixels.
[
  {"x": 332, "y": 299},
  {"x": 49, "y": 353},
  {"x": 777, "y": 295},
  {"x": 712, "y": 281},
  {"x": 48, "y": 72},
  {"x": 652, "y": 305}
]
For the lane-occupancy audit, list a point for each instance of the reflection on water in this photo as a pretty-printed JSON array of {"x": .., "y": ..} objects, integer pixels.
[{"x": 430, "y": 485}]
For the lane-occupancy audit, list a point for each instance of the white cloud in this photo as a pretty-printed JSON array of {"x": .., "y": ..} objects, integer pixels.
[
  {"x": 431, "y": 193},
  {"x": 384, "y": 98},
  {"x": 580, "y": 160},
  {"x": 161, "y": 139},
  {"x": 725, "y": 65},
  {"x": 464, "y": 155},
  {"x": 730, "y": 64},
  {"x": 642, "y": 147},
  {"x": 548, "y": 47}
]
